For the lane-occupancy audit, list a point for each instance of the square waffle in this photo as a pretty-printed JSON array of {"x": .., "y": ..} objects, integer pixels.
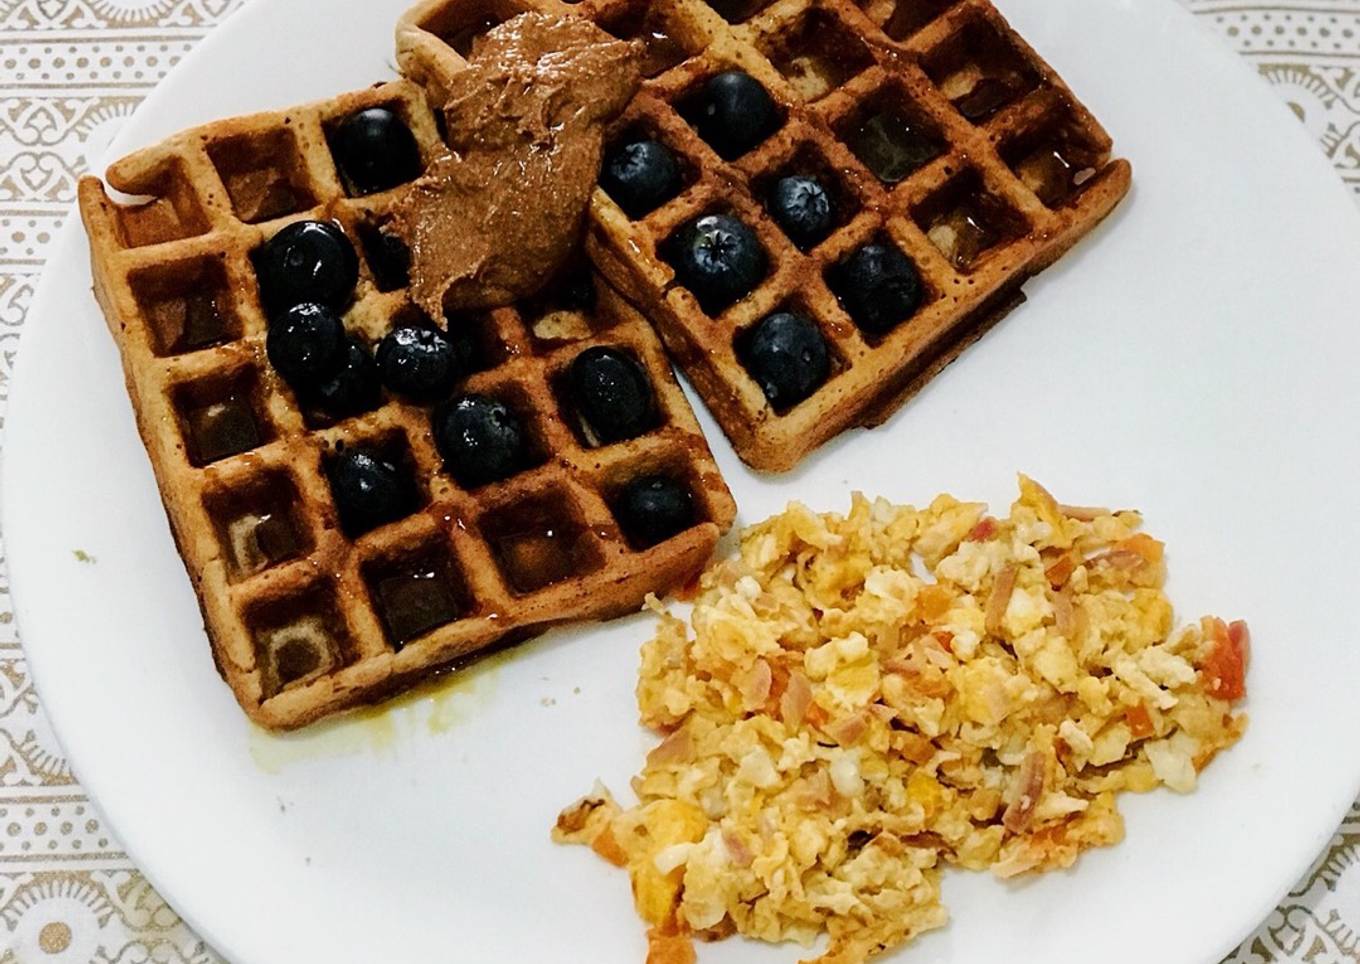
[
  {"x": 304, "y": 620},
  {"x": 939, "y": 129}
]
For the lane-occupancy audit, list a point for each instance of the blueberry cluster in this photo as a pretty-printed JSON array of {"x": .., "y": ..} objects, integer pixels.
[
  {"x": 731, "y": 111},
  {"x": 307, "y": 274}
]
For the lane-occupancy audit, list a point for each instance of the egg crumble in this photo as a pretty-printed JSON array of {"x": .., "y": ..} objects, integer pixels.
[{"x": 869, "y": 698}]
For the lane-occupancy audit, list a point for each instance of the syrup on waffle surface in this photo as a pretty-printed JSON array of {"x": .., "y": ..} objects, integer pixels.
[
  {"x": 935, "y": 130},
  {"x": 307, "y": 615}
]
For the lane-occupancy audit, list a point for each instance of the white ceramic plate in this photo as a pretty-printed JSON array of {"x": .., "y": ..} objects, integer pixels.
[{"x": 1195, "y": 358}]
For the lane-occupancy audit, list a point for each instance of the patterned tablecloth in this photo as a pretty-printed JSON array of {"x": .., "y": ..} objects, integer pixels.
[{"x": 70, "y": 72}]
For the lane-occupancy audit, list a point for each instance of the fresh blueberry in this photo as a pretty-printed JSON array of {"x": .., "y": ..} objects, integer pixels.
[
  {"x": 353, "y": 389},
  {"x": 480, "y": 439},
  {"x": 376, "y": 150},
  {"x": 369, "y": 490},
  {"x": 654, "y": 508},
  {"x": 387, "y": 255},
  {"x": 803, "y": 208},
  {"x": 306, "y": 345},
  {"x": 308, "y": 261},
  {"x": 878, "y": 287},
  {"x": 787, "y": 356},
  {"x": 734, "y": 113},
  {"x": 719, "y": 259},
  {"x": 419, "y": 363},
  {"x": 640, "y": 176},
  {"x": 612, "y": 393}
]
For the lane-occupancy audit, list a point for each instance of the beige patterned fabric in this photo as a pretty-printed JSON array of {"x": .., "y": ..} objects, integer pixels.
[{"x": 70, "y": 71}]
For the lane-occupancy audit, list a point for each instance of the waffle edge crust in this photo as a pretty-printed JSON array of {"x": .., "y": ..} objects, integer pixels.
[
  {"x": 304, "y": 620},
  {"x": 999, "y": 134}
]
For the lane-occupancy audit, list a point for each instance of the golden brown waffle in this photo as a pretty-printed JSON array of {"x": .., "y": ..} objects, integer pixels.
[
  {"x": 1028, "y": 162},
  {"x": 305, "y": 621}
]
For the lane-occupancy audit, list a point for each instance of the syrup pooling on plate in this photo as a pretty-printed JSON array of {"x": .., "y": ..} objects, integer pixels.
[{"x": 864, "y": 700}]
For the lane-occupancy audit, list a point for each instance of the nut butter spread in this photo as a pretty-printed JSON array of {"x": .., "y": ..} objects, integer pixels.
[{"x": 493, "y": 218}]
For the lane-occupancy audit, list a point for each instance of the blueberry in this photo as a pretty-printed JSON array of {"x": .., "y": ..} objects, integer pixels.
[
  {"x": 308, "y": 261},
  {"x": 734, "y": 113},
  {"x": 787, "y": 356},
  {"x": 878, "y": 287},
  {"x": 654, "y": 508},
  {"x": 803, "y": 208},
  {"x": 306, "y": 345},
  {"x": 719, "y": 259},
  {"x": 369, "y": 491},
  {"x": 387, "y": 255},
  {"x": 419, "y": 363},
  {"x": 612, "y": 393},
  {"x": 640, "y": 176},
  {"x": 375, "y": 150},
  {"x": 353, "y": 389},
  {"x": 480, "y": 439}
]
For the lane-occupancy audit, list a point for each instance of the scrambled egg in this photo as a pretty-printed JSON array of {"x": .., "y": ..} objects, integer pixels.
[{"x": 867, "y": 699}]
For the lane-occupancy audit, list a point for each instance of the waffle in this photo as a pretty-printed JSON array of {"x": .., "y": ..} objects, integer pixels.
[
  {"x": 1010, "y": 148},
  {"x": 305, "y": 621}
]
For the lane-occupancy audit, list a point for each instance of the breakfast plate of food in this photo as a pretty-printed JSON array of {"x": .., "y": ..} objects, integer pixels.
[{"x": 868, "y": 472}]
